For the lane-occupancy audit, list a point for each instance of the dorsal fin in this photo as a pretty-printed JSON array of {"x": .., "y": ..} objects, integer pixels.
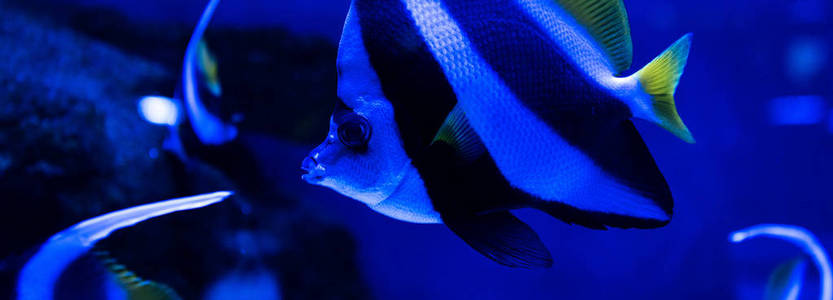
[
  {"x": 607, "y": 22},
  {"x": 136, "y": 287},
  {"x": 457, "y": 132}
]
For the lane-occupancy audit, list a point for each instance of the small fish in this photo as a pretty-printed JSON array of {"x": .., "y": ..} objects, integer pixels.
[
  {"x": 39, "y": 275},
  {"x": 458, "y": 111},
  {"x": 800, "y": 237},
  {"x": 209, "y": 129},
  {"x": 160, "y": 110}
]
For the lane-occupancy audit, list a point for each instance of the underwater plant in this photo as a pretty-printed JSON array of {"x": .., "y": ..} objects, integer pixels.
[
  {"x": 802, "y": 238},
  {"x": 38, "y": 277}
]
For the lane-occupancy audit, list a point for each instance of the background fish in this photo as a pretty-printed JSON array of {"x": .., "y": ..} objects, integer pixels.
[
  {"x": 38, "y": 278},
  {"x": 210, "y": 129},
  {"x": 786, "y": 280},
  {"x": 458, "y": 111}
]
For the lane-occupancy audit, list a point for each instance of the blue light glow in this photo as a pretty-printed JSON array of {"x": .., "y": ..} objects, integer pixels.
[
  {"x": 159, "y": 110},
  {"x": 800, "y": 237},
  {"x": 809, "y": 11},
  {"x": 38, "y": 277},
  {"x": 260, "y": 284},
  {"x": 796, "y": 110},
  {"x": 830, "y": 122},
  {"x": 806, "y": 57}
]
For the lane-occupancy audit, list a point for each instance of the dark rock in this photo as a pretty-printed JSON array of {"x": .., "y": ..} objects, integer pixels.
[{"x": 72, "y": 146}]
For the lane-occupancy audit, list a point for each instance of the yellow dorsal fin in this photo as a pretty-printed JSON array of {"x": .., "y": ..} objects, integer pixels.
[
  {"x": 136, "y": 287},
  {"x": 607, "y": 22}
]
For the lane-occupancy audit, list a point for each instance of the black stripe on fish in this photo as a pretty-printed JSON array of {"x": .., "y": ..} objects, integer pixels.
[
  {"x": 461, "y": 191},
  {"x": 540, "y": 74},
  {"x": 415, "y": 84},
  {"x": 462, "y": 188},
  {"x": 473, "y": 200},
  {"x": 411, "y": 79}
]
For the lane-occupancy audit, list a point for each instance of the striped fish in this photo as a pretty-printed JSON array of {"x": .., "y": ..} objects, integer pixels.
[{"x": 458, "y": 111}]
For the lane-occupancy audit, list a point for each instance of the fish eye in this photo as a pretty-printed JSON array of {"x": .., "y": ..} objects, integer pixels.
[{"x": 354, "y": 131}]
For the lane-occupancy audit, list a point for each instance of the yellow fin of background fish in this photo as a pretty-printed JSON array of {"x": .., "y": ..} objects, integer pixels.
[
  {"x": 660, "y": 78},
  {"x": 209, "y": 69},
  {"x": 136, "y": 287},
  {"x": 607, "y": 22},
  {"x": 457, "y": 132}
]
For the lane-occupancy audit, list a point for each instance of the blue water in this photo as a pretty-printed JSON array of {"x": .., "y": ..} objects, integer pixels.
[{"x": 764, "y": 154}]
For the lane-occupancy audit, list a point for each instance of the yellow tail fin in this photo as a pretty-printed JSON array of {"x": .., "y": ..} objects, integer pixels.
[{"x": 659, "y": 79}]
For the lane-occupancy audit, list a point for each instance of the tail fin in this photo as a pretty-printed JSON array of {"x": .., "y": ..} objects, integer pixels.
[{"x": 659, "y": 79}]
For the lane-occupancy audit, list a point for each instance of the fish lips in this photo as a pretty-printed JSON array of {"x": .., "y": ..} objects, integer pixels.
[{"x": 315, "y": 172}]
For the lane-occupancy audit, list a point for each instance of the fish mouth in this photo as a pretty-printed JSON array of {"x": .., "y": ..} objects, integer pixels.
[
  {"x": 312, "y": 178},
  {"x": 315, "y": 172}
]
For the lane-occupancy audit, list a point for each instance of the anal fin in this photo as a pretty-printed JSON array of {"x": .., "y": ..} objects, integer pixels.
[{"x": 503, "y": 238}]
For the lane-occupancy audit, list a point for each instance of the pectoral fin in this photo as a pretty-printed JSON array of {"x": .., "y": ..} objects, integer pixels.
[
  {"x": 457, "y": 133},
  {"x": 503, "y": 238}
]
